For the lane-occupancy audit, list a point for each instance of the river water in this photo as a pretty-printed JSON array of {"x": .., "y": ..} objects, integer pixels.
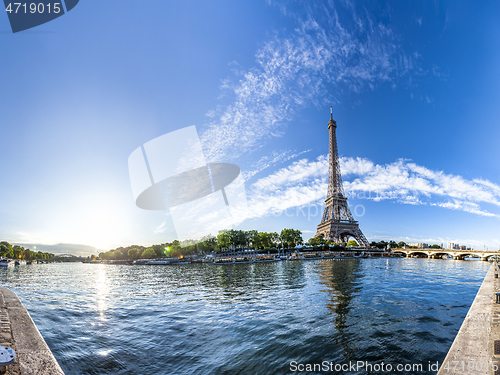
[{"x": 248, "y": 318}]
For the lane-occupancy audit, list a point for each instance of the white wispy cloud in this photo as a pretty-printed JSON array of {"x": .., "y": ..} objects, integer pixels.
[
  {"x": 161, "y": 228},
  {"x": 305, "y": 183},
  {"x": 295, "y": 70},
  {"x": 275, "y": 158},
  {"x": 300, "y": 189}
]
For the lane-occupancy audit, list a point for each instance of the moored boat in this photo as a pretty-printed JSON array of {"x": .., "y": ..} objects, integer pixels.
[
  {"x": 160, "y": 262},
  {"x": 6, "y": 263}
]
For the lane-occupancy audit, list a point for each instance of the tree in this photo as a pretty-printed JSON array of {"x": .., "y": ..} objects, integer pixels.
[
  {"x": 380, "y": 245},
  {"x": 6, "y": 249},
  {"x": 174, "y": 250},
  {"x": 352, "y": 243},
  {"x": 18, "y": 251},
  {"x": 149, "y": 253},
  {"x": 291, "y": 238},
  {"x": 314, "y": 241},
  {"x": 253, "y": 238},
  {"x": 238, "y": 237},
  {"x": 133, "y": 253},
  {"x": 264, "y": 240},
  {"x": 105, "y": 255},
  {"x": 208, "y": 244},
  {"x": 223, "y": 239},
  {"x": 401, "y": 244},
  {"x": 159, "y": 250},
  {"x": 274, "y": 238},
  {"x": 28, "y": 254}
]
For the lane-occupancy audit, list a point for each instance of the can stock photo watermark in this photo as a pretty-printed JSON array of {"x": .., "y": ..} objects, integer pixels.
[
  {"x": 365, "y": 366},
  {"x": 313, "y": 211},
  {"x": 25, "y": 15}
]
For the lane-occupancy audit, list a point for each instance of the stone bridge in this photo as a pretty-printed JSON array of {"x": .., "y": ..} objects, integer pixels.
[{"x": 439, "y": 253}]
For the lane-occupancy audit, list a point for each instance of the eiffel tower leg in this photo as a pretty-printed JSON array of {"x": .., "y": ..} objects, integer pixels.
[{"x": 360, "y": 238}]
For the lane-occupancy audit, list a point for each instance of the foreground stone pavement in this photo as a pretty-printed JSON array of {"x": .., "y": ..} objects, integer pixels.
[
  {"x": 18, "y": 331},
  {"x": 472, "y": 350}
]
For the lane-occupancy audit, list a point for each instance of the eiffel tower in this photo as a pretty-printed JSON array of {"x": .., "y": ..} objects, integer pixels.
[{"x": 337, "y": 223}]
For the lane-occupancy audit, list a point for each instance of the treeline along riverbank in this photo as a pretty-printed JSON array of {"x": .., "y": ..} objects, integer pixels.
[
  {"x": 231, "y": 239},
  {"x": 19, "y": 252},
  {"x": 225, "y": 240}
]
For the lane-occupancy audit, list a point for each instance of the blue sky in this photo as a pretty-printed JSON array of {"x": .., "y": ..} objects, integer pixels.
[{"x": 414, "y": 89}]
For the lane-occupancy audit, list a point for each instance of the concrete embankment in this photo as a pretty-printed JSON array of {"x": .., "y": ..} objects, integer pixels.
[
  {"x": 472, "y": 350},
  {"x": 18, "y": 331}
]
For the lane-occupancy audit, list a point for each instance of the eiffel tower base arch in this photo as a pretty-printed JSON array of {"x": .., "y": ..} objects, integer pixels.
[{"x": 340, "y": 233}]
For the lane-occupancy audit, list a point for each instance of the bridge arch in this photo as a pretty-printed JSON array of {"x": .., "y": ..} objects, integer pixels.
[
  {"x": 418, "y": 254},
  {"x": 440, "y": 254}
]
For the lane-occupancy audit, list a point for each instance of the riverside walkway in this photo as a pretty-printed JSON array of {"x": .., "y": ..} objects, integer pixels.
[
  {"x": 18, "y": 331},
  {"x": 476, "y": 348}
]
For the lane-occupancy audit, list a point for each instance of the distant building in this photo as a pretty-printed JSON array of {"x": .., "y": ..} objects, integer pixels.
[
  {"x": 441, "y": 245},
  {"x": 418, "y": 245},
  {"x": 453, "y": 246}
]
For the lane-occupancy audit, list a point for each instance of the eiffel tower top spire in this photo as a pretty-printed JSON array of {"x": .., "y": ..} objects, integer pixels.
[{"x": 332, "y": 121}]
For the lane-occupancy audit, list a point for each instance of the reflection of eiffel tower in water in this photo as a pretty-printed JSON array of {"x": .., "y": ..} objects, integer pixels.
[
  {"x": 343, "y": 282},
  {"x": 337, "y": 223}
]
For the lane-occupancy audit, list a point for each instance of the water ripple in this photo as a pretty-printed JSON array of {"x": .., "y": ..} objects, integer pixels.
[{"x": 246, "y": 319}]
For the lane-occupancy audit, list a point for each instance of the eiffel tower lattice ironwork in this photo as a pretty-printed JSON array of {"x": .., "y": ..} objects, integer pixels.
[{"x": 337, "y": 223}]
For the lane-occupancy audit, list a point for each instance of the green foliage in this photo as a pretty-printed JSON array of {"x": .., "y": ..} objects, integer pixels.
[
  {"x": 158, "y": 249},
  {"x": 133, "y": 253},
  {"x": 238, "y": 238},
  {"x": 225, "y": 240},
  {"x": 316, "y": 241},
  {"x": 274, "y": 238},
  {"x": 149, "y": 253},
  {"x": 380, "y": 245},
  {"x": 208, "y": 244},
  {"x": 254, "y": 239},
  {"x": 290, "y": 238},
  {"x": 352, "y": 243},
  {"x": 19, "y": 252},
  {"x": 264, "y": 240}
]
